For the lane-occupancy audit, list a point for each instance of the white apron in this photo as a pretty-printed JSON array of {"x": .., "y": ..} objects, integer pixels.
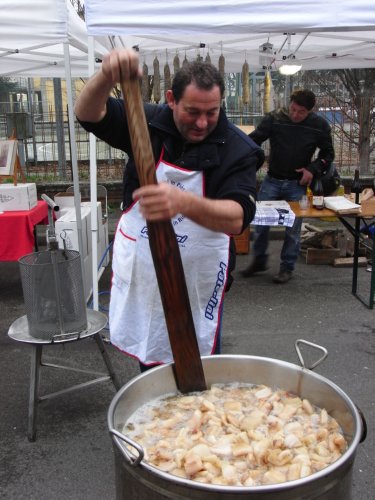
[{"x": 136, "y": 316}]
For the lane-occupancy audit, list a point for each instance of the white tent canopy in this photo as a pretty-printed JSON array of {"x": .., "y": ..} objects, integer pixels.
[
  {"x": 32, "y": 36},
  {"x": 46, "y": 38},
  {"x": 324, "y": 34}
]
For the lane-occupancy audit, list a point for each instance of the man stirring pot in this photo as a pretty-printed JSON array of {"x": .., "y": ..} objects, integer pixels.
[{"x": 206, "y": 170}]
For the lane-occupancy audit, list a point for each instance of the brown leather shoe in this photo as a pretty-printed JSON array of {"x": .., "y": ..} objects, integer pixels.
[{"x": 283, "y": 277}]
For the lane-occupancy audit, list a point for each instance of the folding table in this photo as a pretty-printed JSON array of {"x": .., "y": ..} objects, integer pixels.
[
  {"x": 18, "y": 231},
  {"x": 352, "y": 222}
]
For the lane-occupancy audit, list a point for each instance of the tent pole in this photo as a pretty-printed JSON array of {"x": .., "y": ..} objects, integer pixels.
[
  {"x": 93, "y": 191},
  {"x": 73, "y": 148}
]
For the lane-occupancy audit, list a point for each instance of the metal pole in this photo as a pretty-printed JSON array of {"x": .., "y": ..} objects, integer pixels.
[
  {"x": 59, "y": 128},
  {"x": 30, "y": 92},
  {"x": 287, "y": 77},
  {"x": 73, "y": 145},
  {"x": 93, "y": 193}
]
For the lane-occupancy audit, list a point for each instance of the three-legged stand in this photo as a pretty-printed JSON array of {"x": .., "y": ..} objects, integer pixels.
[{"x": 19, "y": 332}]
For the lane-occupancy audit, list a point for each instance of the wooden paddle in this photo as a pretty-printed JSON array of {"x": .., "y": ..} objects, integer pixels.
[{"x": 165, "y": 252}]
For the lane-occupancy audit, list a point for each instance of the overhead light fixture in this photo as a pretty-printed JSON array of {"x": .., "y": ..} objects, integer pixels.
[
  {"x": 290, "y": 66},
  {"x": 290, "y": 69},
  {"x": 266, "y": 55}
]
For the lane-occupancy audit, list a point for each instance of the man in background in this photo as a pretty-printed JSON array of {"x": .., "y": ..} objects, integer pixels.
[{"x": 294, "y": 134}]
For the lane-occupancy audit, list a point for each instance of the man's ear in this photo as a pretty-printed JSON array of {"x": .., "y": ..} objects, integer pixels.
[{"x": 170, "y": 98}]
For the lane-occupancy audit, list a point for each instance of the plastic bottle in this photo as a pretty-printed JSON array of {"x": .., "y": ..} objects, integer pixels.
[{"x": 318, "y": 194}]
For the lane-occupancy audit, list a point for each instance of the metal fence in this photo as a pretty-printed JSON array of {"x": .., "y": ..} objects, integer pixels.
[
  {"x": 45, "y": 152},
  {"x": 46, "y": 155}
]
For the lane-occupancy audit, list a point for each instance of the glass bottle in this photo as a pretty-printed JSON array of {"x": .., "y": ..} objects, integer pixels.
[
  {"x": 309, "y": 196},
  {"x": 356, "y": 186},
  {"x": 318, "y": 194}
]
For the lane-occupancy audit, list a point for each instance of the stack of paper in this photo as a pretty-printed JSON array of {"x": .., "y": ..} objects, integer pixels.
[{"x": 341, "y": 205}]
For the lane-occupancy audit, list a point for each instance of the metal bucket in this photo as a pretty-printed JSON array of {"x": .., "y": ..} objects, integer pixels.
[
  {"x": 136, "y": 479},
  {"x": 53, "y": 293}
]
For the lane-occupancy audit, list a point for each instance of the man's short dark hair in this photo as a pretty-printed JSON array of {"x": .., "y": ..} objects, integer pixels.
[
  {"x": 305, "y": 98},
  {"x": 204, "y": 75}
]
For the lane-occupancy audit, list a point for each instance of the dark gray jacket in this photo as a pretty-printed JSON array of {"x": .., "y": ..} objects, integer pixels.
[
  {"x": 228, "y": 158},
  {"x": 293, "y": 145}
]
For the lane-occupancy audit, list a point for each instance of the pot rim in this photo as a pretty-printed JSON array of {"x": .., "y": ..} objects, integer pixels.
[{"x": 348, "y": 454}]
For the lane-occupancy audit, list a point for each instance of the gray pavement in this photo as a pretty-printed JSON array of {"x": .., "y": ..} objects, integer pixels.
[{"x": 72, "y": 457}]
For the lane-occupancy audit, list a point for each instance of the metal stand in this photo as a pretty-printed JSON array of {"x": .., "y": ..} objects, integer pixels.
[
  {"x": 19, "y": 331},
  {"x": 356, "y": 232}
]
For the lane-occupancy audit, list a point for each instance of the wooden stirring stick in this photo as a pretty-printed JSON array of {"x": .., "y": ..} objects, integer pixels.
[{"x": 170, "y": 275}]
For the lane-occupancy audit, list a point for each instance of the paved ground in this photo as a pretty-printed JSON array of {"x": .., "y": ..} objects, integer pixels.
[{"x": 72, "y": 457}]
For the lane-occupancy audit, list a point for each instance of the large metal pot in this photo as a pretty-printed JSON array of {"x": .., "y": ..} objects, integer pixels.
[{"x": 135, "y": 479}]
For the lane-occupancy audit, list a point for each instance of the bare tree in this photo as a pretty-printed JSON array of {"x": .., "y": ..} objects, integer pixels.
[
  {"x": 357, "y": 105},
  {"x": 79, "y": 8}
]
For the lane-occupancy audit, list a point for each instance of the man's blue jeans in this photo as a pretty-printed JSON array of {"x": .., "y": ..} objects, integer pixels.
[{"x": 280, "y": 189}]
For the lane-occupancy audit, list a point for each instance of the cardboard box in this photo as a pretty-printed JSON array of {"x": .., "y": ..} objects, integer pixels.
[
  {"x": 87, "y": 274},
  {"x": 366, "y": 198},
  {"x": 65, "y": 201},
  {"x": 87, "y": 261},
  {"x": 66, "y": 227},
  {"x": 86, "y": 205},
  {"x": 242, "y": 242},
  {"x": 103, "y": 245},
  {"x": 369, "y": 204},
  {"x": 20, "y": 197},
  {"x": 99, "y": 215}
]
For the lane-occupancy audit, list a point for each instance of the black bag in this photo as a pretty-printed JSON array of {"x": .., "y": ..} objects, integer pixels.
[{"x": 330, "y": 179}]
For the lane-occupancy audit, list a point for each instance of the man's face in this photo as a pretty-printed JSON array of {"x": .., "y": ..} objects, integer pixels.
[
  {"x": 197, "y": 112},
  {"x": 297, "y": 113}
]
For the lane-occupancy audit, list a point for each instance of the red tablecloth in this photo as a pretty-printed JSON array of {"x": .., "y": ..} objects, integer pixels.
[{"x": 17, "y": 231}]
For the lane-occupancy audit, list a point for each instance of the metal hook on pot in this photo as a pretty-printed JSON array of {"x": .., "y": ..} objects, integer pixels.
[
  {"x": 364, "y": 424},
  {"x": 319, "y": 347},
  {"x": 322, "y": 358}
]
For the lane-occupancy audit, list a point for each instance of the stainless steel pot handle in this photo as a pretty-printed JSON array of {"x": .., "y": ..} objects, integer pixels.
[
  {"x": 319, "y": 347},
  {"x": 129, "y": 457},
  {"x": 364, "y": 424}
]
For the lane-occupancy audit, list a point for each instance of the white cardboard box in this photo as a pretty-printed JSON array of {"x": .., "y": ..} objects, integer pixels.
[
  {"x": 66, "y": 226},
  {"x": 20, "y": 197},
  {"x": 65, "y": 201},
  {"x": 103, "y": 244},
  {"x": 86, "y": 205},
  {"x": 87, "y": 262},
  {"x": 87, "y": 274}
]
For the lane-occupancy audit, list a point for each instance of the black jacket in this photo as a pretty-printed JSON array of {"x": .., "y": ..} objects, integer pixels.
[
  {"x": 228, "y": 158},
  {"x": 293, "y": 145}
]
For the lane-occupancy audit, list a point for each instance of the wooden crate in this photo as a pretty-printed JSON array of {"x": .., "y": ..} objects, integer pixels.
[
  {"x": 349, "y": 261},
  {"x": 322, "y": 255},
  {"x": 242, "y": 242}
]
